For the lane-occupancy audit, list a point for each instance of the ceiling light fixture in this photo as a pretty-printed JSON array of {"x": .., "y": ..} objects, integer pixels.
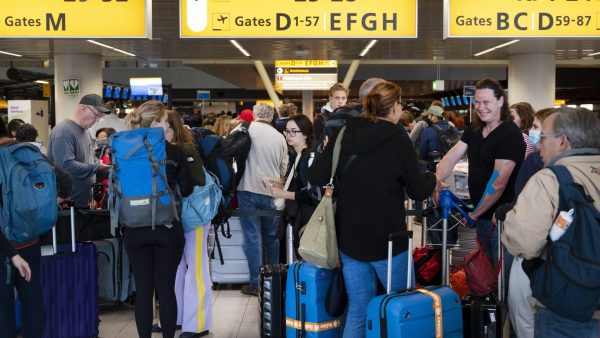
[
  {"x": 239, "y": 47},
  {"x": 594, "y": 54},
  {"x": 11, "y": 54},
  {"x": 41, "y": 81},
  {"x": 110, "y": 47},
  {"x": 367, "y": 48},
  {"x": 497, "y": 47}
]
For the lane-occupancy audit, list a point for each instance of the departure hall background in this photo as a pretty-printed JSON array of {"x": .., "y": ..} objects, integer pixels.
[{"x": 212, "y": 56}]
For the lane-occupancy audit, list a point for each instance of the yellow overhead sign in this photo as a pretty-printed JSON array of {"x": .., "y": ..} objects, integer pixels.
[
  {"x": 76, "y": 18},
  {"x": 521, "y": 18},
  {"x": 298, "y": 18}
]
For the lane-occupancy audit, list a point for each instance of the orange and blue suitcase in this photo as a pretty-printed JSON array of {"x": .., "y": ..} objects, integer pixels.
[
  {"x": 305, "y": 311},
  {"x": 430, "y": 312},
  {"x": 70, "y": 289}
]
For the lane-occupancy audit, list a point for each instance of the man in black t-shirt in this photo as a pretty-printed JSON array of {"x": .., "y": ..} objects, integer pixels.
[{"x": 495, "y": 149}]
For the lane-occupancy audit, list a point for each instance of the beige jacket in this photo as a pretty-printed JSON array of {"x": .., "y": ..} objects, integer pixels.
[{"x": 527, "y": 225}]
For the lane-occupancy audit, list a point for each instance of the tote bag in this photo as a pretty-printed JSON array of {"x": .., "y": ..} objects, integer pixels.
[{"x": 318, "y": 244}]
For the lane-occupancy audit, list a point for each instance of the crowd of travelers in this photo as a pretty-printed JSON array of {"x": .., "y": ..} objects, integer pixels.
[{"x": 391, "y": 151}]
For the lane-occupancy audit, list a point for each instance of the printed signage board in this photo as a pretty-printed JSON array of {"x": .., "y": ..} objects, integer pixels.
[
  {"x": 298, "y": 18},
  {"x": 521, "y": 18},
  {"x": 305, "y": 74},
  {"x": 76, "y": 18}
]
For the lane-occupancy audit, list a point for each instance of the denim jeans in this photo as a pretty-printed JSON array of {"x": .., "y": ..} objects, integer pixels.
[
  {"x": 30, "y": 295},
  {"x": 361, "y": 285},
  {"x": 550, "y": 325},
  {"x": 260, "y": 233}
]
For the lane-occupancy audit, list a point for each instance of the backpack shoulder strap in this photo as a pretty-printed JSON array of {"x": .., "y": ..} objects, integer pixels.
[{"x": 565, "y": 180}]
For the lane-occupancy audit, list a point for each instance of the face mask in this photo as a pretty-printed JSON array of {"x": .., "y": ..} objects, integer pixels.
[{"x": 534, "y": 137}]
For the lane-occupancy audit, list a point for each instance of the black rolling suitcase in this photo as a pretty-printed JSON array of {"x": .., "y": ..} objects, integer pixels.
[
  {"x": 484, "y": 316},
  {"x": 271, "y": 294}
]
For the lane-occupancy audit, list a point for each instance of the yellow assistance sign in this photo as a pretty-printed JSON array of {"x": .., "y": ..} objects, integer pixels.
[
  {"x": 76, "y": 18},
  {"x": 521, "y": 18},
  {"x": 298, "y": 18},
  {"x": 305, "y": 74}
]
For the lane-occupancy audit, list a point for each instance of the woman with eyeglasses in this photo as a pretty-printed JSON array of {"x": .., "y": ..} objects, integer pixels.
[
  {"x": 299, "y": 200},
  {"x": 377, "y": 168}
]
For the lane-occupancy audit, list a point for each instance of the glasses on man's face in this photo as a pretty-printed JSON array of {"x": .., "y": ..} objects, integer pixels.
[
  {"x": 97, "y": 114},
  {"x": 291, "y": 132},
  {"x": 544, "y": 136}
]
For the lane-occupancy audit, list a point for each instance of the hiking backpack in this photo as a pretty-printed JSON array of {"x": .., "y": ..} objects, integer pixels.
[
  {"x": 448, "y": 137},
  {"x": 139, "y": 193},
  {"x": 236, "y": 148},
  {"x": 567, "y": 279},
  {"x": 28, "y": 184}
]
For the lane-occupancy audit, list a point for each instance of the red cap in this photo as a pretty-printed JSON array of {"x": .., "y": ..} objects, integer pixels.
[{"x": 246, "y": 115}]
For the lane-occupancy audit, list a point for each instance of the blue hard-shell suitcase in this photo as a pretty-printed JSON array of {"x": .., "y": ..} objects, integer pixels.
[
  {"x": 430, "y": 312},
  {"x": 305, "y": 312},
  {"x": 70, "y": 290}
]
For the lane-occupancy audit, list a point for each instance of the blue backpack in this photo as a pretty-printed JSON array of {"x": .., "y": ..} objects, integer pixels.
[
  {"x": 212, "y": 153},
  {"x": 138, "y": 190},
  {"x": 202, "y": 205},
  {"x": 28, "y": 184},
  {"x": 567, "y": 281}
]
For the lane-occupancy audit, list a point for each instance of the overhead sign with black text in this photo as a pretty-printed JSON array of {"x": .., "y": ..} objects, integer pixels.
[
  {"x": 298, "y": 18},
  {"x": 305, "y": 74},
  {"x": 521, "y": 18},
  {"x": 76, "y": 19}
]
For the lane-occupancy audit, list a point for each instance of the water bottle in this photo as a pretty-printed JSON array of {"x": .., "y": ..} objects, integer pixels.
[{"x": 561, "y": 224}]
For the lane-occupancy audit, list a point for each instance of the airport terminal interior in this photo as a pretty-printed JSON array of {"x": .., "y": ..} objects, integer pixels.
[{"x": 229, "y": 55}]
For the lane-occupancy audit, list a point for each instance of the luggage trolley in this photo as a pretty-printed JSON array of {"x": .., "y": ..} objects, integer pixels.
[{"x": 448, "y": 201}]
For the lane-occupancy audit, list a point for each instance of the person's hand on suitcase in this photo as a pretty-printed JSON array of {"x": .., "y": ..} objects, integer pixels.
[
  {"x": 63, "y": 203},
  {"x": 23, "y": 267}
]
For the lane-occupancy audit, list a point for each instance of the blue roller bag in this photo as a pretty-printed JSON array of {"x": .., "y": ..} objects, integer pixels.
[
  {"x": 305, "y": 311},
  {"x": 411, "y": 314},
  {"x": 70, "y": 292}
]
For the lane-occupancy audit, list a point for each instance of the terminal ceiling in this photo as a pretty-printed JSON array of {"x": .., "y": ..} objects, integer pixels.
[{"x": 412, "y": 62}]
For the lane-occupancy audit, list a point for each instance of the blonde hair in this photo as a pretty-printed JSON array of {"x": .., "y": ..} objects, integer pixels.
[
  {"x": 380, "y": 100},
  {"x": 180, "y": 133},
  {"x": 232, "y": 124},
  {"x": 221, "y": 126},
  {"x": 145, "y": 114}
]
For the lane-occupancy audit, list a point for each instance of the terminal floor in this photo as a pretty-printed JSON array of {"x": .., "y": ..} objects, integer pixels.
[{"x": 235, "y": 316}]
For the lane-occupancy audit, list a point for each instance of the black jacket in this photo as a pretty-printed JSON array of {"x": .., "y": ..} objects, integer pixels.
[{"x": 371, "y": 188}]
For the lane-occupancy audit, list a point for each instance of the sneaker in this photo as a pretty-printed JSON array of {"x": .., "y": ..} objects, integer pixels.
[
  {"x": 193, "y": 334},
  {"x": 156, "y": 328},
  {"x": 250, "y": 291}
]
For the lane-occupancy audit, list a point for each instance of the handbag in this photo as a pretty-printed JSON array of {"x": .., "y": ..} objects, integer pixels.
[
  {"x": 318, "y": 244},
  {"x": 336, "y": 299},
  {"x": 482, "y": 278},
  {"x": 202, "y": 205}
]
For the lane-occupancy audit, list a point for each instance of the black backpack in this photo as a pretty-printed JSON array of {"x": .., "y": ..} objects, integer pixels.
[
  {"x": 448, "y": 137},
  {"x": 236, "y": 148},
  {"x": 334, "y": 121}
]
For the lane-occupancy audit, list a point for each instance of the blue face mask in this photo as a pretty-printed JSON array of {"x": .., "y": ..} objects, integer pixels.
[{"x": 534, "y": 137}]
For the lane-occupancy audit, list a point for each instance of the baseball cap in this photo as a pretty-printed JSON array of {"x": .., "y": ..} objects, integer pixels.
[
  {"x": 95, "y": 101},
  {"x": 247, "y": 115},
  {"x": 435, "y": 110}
]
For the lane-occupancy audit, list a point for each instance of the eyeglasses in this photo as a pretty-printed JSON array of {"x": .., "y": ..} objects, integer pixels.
[
  {"x": 97, "y": 114},
  {"x": 291, "y": 132},
  {"x": 543, "y": 136}
]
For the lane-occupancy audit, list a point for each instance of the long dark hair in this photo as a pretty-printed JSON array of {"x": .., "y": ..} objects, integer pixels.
[
  {"x": 306, "y": 128},
  {"x": 499, "y": 92}
]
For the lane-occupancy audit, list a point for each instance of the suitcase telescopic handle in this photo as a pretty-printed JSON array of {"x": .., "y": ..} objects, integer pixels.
[
  {"x": 392, "y": 237},
  {"x": 290, "y": 244},
  {"x": 72, "y": 217}
]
